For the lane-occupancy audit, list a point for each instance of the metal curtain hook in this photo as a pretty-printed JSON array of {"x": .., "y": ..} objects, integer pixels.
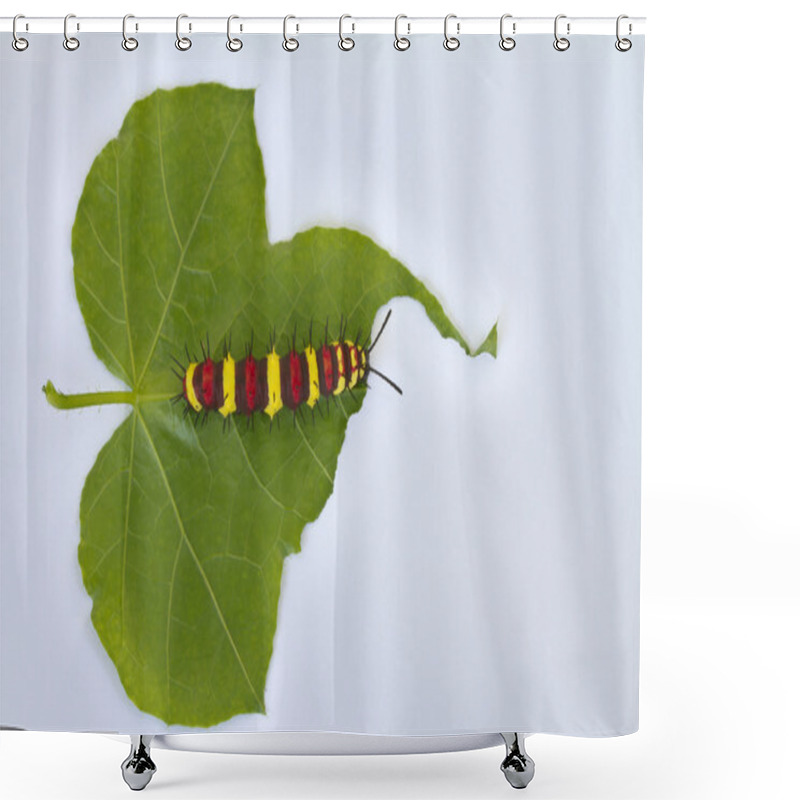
[
  {"x": 506, "y": 42},
  {"x": 623, "y": 45},
  {"x": 561, "y": 43},
  {"x": 400, "y": 42},
  {"x": 451, "y": 42},
  {"x": 18, "y": 43},
  {"x": 181, "y": 42},
  {"x": 289, "y": 45},
  {"x": 128, "y": 42},
  {"x": 234, "y": 45},
  {"x": 346, "y": 43},
  {"x": 70, "y": 42}
]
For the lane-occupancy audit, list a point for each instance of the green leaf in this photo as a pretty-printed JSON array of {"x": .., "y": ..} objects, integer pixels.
[
  {"x": 184, "y": 529},
  {"x": 170, "y": 230}
]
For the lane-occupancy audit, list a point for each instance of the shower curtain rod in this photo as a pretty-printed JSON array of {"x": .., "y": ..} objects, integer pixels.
[{"x": 306, "y": 25}]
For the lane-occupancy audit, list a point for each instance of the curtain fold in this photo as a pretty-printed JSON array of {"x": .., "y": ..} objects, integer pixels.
[{"x": 232, "y": 230}]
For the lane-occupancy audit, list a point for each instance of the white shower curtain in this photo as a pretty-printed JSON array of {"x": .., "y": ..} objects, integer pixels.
[{"x": 459, "y": 558}]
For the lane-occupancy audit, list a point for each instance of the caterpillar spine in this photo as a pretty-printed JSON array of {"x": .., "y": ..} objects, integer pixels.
[{"x": 300, "y": 377}]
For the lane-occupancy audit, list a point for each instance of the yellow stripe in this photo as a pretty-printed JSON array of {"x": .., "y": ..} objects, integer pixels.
[
  {"x": 313, "y": 376},
  {"x": 361, "y": 360},
  {"x": 339, "y": 352},
  {"x": 275, "y": 403},
  {"x": 189, "y": 384},
  {"x": 228, "y": 386},
  {"x": 353, "y": 356}
]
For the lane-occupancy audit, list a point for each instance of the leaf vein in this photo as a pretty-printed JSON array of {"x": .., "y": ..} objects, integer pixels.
[
  {"x": 198, "y": 563},
  {"x": 314, "y": 453},
  {"x": 91, "y": 328},
  {"x": 263, "y": 486},
  {"x": 169, "y": 616},
  {"x": 98, "y": 239},
  {"x": 125, "y": 530},
  {"x": 163, "y": 174},
  {"x": 185, "y": 247},
  {"x": 100, "y": 303},
  {"x": 121, "y": 266}
]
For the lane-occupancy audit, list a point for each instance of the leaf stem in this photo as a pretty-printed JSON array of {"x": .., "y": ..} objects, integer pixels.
[{"x": 60, "y": 400}]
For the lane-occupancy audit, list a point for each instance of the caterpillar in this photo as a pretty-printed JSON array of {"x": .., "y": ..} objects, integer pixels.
[{"x": 252, "y": 385}]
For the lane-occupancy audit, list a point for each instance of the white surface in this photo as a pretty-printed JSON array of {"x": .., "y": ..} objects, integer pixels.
[
  {"x": 721, "y": 526},
  {"x": 318, "y": 743}
]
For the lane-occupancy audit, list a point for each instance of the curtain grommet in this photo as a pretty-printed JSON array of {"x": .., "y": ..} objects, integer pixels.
[
  {"x": 289, "y": 44},
  {"x": 622, "y": 44},
  {"x": 401, "y": 43},
  {"x": 451, "y": 43},
  {"x": 71, "y": 43},
  {"x": 183, "y": 43},
  {"x": 18, "y": 42},
  {"x": 507, "y": 42},
  {"x": 233, "y": 44},
  {"x": 561, "y": 43},
  {"x": 129, "y": 43},
  {"x": 346, "y": 43}
]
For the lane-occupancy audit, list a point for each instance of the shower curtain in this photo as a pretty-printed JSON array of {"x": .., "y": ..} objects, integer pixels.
[{"x": 321, "y": 385}]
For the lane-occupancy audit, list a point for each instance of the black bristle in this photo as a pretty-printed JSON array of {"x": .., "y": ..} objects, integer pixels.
[
  {"x": 369, "y": 349},
  {"x": 388, "y": 380}
]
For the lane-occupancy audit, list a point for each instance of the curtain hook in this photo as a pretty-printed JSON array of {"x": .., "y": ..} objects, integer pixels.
[
  {"x": 128, "y": 42},
  {"x": 451, "y": 42},
  {"x": 346, "y": 43},
  {"x": 181, "y": 42},
  {"x": 18, "y": 43},
  {"x": 70, "y": 42},
  {"x": 561, "y": 43},
  {"x": 289, "y": 45},
  {"x": 623, "y": 45},
  {"x": 506, "y": 42},
  {"x": 234, "y": 45},
  {"x": 400, "y": 42}
]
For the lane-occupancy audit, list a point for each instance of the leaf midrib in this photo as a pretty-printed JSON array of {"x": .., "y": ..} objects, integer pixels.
[
  {"x": 186, "y": 246},
  {"x": 185, "y": 539}
]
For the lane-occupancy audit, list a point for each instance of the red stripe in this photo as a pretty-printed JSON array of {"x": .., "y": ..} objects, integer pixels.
[
  {"x": 327, "y": 363},
  {"x": 208, "y": 381},
  {"x": 250, "y": 381},
  {"x": 296, "y": 373}
]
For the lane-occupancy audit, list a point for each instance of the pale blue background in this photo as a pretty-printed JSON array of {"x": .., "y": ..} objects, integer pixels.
[{"x": 511, "y": 184}]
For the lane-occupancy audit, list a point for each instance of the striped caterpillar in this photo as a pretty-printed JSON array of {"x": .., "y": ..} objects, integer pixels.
[{"x": 251, "y": 385}]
